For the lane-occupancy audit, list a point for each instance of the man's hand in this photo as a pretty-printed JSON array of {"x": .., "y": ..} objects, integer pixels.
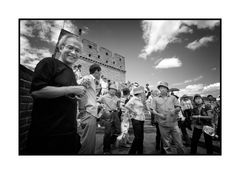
[
  {"x": 77, "y": 90},
  {"x": 177, "y": 110},
  {"x": 162, "y": 116}
]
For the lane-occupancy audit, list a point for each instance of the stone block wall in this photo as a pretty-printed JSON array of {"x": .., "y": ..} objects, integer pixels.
[{"x": 25, "y": 106}]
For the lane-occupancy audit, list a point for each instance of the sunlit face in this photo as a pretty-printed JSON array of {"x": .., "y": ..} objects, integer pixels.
[
  {"x": 97, "y": 74},
  {"x": 155, "y": 93},
  {"x": 163, "y": 90},
  {"x": 112, "y": 91},
  {"x": 198, "y": 100},
  {"x": 71, "y": 51}
]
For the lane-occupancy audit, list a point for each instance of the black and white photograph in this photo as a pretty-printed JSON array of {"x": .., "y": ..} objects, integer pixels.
[
  {"x": 119, "y": 87},
  {"x": 108, "y": 87}
]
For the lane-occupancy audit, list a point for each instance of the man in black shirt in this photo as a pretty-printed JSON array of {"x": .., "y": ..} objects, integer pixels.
[{"x": 54, "y": 128}]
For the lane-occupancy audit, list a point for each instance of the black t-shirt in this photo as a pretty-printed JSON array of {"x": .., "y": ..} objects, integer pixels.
[{"x": 56, "y": 116}]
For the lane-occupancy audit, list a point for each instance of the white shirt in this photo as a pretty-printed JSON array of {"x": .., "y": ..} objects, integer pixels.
[
  {"x": 89, "y": 101},
  {"x": 137, "y": 105}
]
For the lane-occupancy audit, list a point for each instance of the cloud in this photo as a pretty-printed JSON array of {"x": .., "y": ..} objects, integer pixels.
[
  {"x": 202, "y": 24},
  {"x": 197, "y": 79},
  {"x": 214, "y": 69},
  {"x": 164, "y": 63},
  {"x": 211, "y": 88},
  {"x": 188, "y": 81},
  {"x": 30, "y": 56},
  {"x": 201, "y": 89},
  {"x": 46, "y": 30},
  {"x": 200, "y": 43},
  {"x": 157, "y": 34}
]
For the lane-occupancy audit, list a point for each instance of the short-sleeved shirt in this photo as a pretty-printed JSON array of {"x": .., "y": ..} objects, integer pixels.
[
  {"x": 137, "y": 105},
  {"x": 89, "y": 101},
  {"x": 55, "y": 116},
  {"x": 111, "y": 102},
  {"x": 166, "y": 106}
]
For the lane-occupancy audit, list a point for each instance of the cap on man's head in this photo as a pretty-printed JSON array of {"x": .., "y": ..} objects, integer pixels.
[
  {"x": 113, "y": 86},
  {"x": 138, "y": 90},
  {"x": 196, "y": 95},
  {"x": 164, "y": 84},
  {"x": 209, "y": 96}
]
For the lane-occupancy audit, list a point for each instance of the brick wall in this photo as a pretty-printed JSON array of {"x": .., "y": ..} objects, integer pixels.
[{"x": 25, "y": 106}]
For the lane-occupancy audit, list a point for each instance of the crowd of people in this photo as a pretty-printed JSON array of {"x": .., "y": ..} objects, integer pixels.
[{"x": 68, "y": 108}]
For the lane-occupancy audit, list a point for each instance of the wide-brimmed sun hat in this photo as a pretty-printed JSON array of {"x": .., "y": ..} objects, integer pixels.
[
  {"x": 113, "y": 86},
  {"x": 138, "y": 90},
  {"x": 164, "y": 84}
]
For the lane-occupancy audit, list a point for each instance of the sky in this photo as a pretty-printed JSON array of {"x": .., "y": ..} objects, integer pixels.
[{"x": 184, "y": 53}]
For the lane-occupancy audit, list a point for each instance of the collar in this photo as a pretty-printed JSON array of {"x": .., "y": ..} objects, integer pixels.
[
  {"x": 92, "y": 76},
  {"x": 136, "y": 98},
  {"x": 110, "y": 95},
  {"x": 168, "y": 95}
]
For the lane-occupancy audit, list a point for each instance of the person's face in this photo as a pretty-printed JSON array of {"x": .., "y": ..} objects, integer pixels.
[
  {"x": 185, "y": 99},
  {"x": 155, "y": 93},
  {"x": 163, "y": 90},
  {"x": 71, "y": 51},
  {"x": 97, "y": 74},
  {"x": 112, "y": 91},
  {"x": 198, "y": 100},
  {"x": 210, "y": 98}
]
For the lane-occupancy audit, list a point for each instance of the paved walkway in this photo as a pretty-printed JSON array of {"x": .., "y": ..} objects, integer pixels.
[{"x": 149, "y": 145}]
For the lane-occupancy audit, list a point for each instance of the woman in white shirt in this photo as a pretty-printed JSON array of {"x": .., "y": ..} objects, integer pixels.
[{"x": 137, "y": 107}]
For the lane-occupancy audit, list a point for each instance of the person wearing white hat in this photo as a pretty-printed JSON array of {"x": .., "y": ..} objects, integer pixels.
[
  {"x": 137, "y": 106},
  {"x": 110, "y": 119},
  {"x": 166, "y": 108}
]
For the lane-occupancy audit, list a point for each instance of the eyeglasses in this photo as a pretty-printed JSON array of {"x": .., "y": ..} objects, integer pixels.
[{"x": 71, "y": 48}]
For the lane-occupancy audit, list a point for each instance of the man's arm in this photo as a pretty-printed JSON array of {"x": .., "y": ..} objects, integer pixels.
[
  {"x": 177, "y": 107},
  {"x": 54, "y": 92},
  {"x": 158, "y": 114},
  {"x": 129, "y": 106},
  {"x": 153, "y": 109}
]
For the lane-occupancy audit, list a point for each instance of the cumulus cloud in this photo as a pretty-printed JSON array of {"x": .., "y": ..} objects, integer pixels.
[
  {"x": 30, "y": 56},
  {"x": 211, "y": 88},
  {"x": 201, "y": 89},
  {"x": 200, "y": 43},
  {"x": 202, "y": 24},
  {"x": 157, "y": 34},
  {"x": 164, "y": 63},
  {"x": 46, "y": 30}
]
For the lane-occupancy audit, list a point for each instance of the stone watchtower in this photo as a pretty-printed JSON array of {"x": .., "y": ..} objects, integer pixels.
[{"x": 112, "y": 64}]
